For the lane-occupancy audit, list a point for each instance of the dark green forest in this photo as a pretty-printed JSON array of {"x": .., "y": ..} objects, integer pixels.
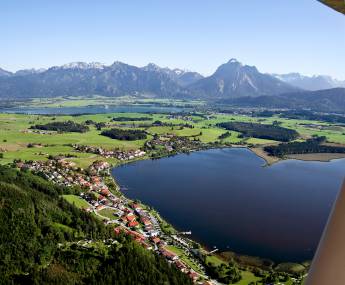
[
  {"x": 130, "y": 119},
  {"x": 38, "y": 235},
  {"x": 313, "y": 145},
  {"x": 262, "y": 131},
  {"x": 127, "y": 135},
  {"x": 68, "y": 126}
]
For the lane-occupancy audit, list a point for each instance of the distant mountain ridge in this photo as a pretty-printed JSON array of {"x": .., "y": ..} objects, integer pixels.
[
  {"x": 313, "y": 83},
  {"x": 328, "y": 100},
  {"x": 182, "y": 77},
  {"x": 83, "y": 79},
  {"x": 231, "y": 80}
]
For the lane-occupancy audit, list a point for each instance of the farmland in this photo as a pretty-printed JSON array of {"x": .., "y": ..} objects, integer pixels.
[{"x": 16, "y": 135}]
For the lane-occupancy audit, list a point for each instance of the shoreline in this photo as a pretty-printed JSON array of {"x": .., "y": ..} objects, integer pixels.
[{"x": 316, "y": 157}]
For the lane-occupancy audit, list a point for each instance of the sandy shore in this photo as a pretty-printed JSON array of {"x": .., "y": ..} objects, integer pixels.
[{"x": 261, "y": 153}]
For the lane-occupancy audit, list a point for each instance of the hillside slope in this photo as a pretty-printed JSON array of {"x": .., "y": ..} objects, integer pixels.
[{"x": 38, "y": 235}]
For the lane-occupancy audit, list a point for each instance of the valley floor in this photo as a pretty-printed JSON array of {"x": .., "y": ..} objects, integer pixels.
[{"x": 167, "y": 134}]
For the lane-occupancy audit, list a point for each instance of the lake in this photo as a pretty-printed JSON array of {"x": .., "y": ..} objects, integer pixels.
[
  {"x": 229, "y": 200},
  {"x": 92, "y": 110}
]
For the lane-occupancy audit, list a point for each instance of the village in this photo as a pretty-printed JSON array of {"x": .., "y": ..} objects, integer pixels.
[
  {"x": 127, "y": 216},
  {"x": 116, "y": 153}
]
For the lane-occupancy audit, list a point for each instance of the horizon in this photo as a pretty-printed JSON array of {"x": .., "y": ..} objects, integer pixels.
[{"x": 192, "y": 36}]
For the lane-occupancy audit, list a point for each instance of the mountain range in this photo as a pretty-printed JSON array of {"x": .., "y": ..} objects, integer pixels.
[
  {"x": 315, "y": 82},
  {"x": 231, "y": 81}
]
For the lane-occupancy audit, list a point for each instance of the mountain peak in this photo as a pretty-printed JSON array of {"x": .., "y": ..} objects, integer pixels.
[
  {"x": 233, "y": 79},
  {"x": 4, "y": 72},
  {"x": 234, "y": 61},
  {"x": 23, "y": 72},
  {"x": 83, "y": 65},
  {"x": 152, "y": 67}
]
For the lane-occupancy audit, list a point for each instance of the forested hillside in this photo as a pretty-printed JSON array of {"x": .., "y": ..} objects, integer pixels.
[{"x": 39, "y": 234}]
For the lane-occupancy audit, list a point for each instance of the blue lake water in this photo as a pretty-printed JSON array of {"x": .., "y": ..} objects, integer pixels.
[
  {"x": 92, "y": 110},
  {"x": 229, "y": 200}
]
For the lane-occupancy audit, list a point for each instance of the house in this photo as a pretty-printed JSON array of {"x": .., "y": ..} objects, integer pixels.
[
  {"x": 137, "y": 236},
  {"x": 193, "y": 275},
  {"x": 154, "y": 233},
  {"x": 180, "y": 265},
  {"x": 148, "y": 228},
  {"x": 101, "y": 198},
  {"x": 133, "y": 224},
  {"x": 119, "y": 230},
  {"x": 100, "y": 207},
  {"x": 130, "y": 217},
  {"x": 136, "y": 207},
  {"x": 146, "y": 245},
  {"x": 156, "y": 240},
  {"x": 145, "y": 221},
  {"x": 95, "y": 179},
  {"x": 168, "y": 254},
  {"x": 105, "y": 192}
]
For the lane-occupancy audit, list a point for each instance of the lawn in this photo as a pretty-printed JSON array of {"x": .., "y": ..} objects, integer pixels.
[
  {"x": 109, "y": 213},
  {"x": 247, "y": 277},
  {"x": 77, "y": 201}
]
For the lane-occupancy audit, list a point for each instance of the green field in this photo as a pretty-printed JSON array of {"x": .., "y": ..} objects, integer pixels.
[
  {"x": 15, "y": 134},
  {"x": 108, "y": 213},
  {"x": 77, "y": 201}
]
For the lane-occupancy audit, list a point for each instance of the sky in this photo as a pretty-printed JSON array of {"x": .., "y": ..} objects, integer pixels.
[{"x": 277, "y": 36}]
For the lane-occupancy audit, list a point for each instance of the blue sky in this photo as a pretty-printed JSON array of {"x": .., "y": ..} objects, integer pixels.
[{"x": 275, "y": 35}]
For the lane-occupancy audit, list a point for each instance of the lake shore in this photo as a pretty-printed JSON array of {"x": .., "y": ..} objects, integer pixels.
[
  {"x": 261, "y": 153},
  {"x": 324, "y": 157},
  {"x": 321, "y": 157}
]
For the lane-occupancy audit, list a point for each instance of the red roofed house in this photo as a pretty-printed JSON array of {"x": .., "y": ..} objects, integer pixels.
[
  {"x": 120, "y": 229},
  {"x": 133, "y": 224},
  {"x": 168, "y": 254},
  {"x": 130, "y": 217},
  {"x": 100, "y": 207},
  {"x": 193, "y": 275},
  {"x": 101, "y": 198},
  {"x": 156, "y": 240},
  {"x": 105, "y": 192},
  {"x": 136, "y": 206},
  {"x": 145, "y": 221}
]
